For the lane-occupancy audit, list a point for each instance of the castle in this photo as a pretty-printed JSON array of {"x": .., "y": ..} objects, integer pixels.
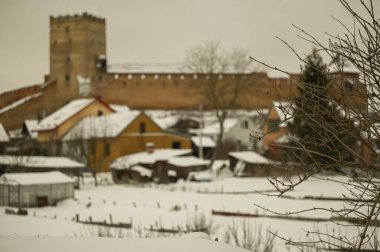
[{"x": 78, "y": 68}]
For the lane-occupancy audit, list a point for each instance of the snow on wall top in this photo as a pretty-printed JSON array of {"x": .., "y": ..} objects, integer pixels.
[
  {"x": 39, "y": 161},
  {"x": 128, "y": 161},
  {"x": 31, "y": 126},
  {"x": 19, "y": 102},
  {"x": 64, "y": 113},
  {"x": 3, "y": 134},
  {"x": 35, "y": 178},
  {"x": 187, "y": 161},
  {"x": 101, "y": 126},
  {"x": 164, "y": 68},
  {"x": 207, "y": 142},
  {"x": 249, "y": 157},
  {"x": 145, "y": 68}
]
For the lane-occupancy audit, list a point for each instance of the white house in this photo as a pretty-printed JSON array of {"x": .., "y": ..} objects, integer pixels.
[{"x": 237, "y": 129}]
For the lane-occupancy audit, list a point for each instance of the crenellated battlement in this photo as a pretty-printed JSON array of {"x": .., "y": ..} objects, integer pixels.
[{"x": 76, "y": 17}]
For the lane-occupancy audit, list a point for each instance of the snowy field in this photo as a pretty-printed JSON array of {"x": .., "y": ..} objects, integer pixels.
[{"x": 177, "y": 207}]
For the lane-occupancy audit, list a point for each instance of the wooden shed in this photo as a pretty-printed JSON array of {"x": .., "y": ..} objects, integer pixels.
[
  {"x": 154, "y": 160},
  {"x": 250, "y": 163},
  {"x": 35, "y": 189},
  {"x": 183, "y": 166}
]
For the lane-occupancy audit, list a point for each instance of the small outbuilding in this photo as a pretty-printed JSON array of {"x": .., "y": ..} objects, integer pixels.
[
  {"x": 151, "y": 165},
  {"x": 250, "y": 163},
  {"x": 204, "y": 142},
  {"x": 35, "y": 189},
  {"x": 183, "y": 166}
]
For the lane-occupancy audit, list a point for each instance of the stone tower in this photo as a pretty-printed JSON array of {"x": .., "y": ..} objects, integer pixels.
[{"x": 77, "y": 55}]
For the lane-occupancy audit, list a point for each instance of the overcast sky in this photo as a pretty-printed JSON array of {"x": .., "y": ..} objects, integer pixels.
[{"x": 154, "y": 31}]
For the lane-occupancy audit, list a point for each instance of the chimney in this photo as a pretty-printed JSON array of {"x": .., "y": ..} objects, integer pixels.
[{"x": 149, "y": 147}]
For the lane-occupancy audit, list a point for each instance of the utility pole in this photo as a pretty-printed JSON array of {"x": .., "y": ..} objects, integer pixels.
[{"x": 200, "y": 131}]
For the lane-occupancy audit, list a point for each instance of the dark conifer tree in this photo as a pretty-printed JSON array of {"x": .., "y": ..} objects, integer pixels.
[{"x": 318, "y": 123}]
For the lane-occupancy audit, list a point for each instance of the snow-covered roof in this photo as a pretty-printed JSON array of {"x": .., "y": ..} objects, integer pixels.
[
  {"x": 283, "y": 140},
  {"x": 348, "y": 67},
  {"x": 35, "y": 178},
  {"x": 119, "y": 108},
  {"x": 39, "y": 161},
  {"x": 207, "y": 142},
  {"x": 128, "y": 161},
  {"x": 214, "y": 128},
  {"x": 200, "y": 176},
  {"x": 249, "y": 157},
  {"x": 31, "y": 126},
  {"x": 167, "y": 121},
  {"x": 110, "y": 125},
  {"x": 3, "y": 134},
  {"x": 142, "y": 170},
  {"x": 187, "y": 161},
  {"x": 284, "y": 111},
  {"x": 20, "y": 102},
  {"x": 64, "y": 113}
]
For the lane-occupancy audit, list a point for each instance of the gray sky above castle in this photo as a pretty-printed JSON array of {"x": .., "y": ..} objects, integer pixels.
[{"x": 155, "y": 31}]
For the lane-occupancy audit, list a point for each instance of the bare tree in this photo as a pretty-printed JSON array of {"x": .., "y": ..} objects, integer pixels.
[
  {"x": 89, "y": 143},
  {"x": 358, "y": 103},
  {"x": 220, "y": 78}
]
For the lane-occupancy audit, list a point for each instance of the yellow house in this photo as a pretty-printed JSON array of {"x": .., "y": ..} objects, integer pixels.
[
  {"x": 111, "y": 136},
  {"x": 57, "y": 124}
]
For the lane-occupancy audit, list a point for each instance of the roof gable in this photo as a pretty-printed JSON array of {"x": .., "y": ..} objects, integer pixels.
[
  {"x": 133, "y": 127},
  {"x": 105, "y": 126},
  {"x": 66, "y": 112}
]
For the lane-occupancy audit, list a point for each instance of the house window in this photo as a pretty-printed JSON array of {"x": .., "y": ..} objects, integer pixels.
[
  {"x": 68, "y": 60},
  {"x": 67, "y": 29},
  {"x": 176, "y": 145},
  {"x": 67, "y": 77},
  {"x": 107, "y": 149},
  {"x": 142, "y": 127},
  {"x": 273, "y": 125},
  {"x": 100, "y": 113},
  {"x": 244, "y": 124},
  {"x": 348, "y": 86}
]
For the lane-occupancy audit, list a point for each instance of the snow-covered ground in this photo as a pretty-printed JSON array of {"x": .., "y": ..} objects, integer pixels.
[{"x": 176, "y": 206}]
